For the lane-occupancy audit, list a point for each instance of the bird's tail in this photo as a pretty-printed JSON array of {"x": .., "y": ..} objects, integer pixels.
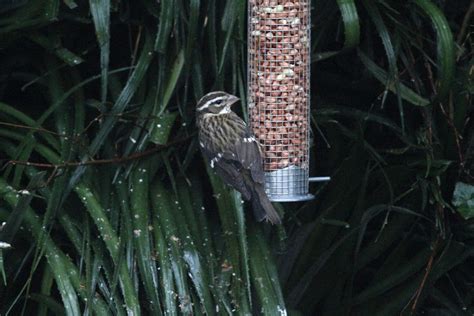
[{"x": 262, "y": 207}]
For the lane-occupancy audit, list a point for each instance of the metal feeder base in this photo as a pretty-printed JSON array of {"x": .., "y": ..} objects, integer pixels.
[
  {"x": 292, "y": 198},
  {"x": 289, "y": 184}
]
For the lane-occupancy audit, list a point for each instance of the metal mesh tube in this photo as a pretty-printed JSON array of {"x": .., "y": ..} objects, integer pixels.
[{"x": 279, "y": 83}]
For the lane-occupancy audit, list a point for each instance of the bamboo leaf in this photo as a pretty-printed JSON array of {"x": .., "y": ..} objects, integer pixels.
[
  {"x": 445, "y": 45},
  {"x": 265, "y": 276},
  {"x": 53, "y": 44},
  {"x": 166, "y": 272},
  {"x": 119, "y": 106},
  {"x": 384, "y": 34},
  {"x": 124, "y": 98},
  {"x": 100, "y": 10},
  {"x": 15, "y": 219},
  {"x": 173, "y": 80},
  {"x": 2, "y": 265},
  {"x": 231, "y": 215},
  {"x": 405, "y": 92},
  {"x": 350, "y": 17},
  {"x": 68, "y": 293},
  {"x": 141, "y": 228},
  {"x": 162, "y": 127},
  {"x": 49, "y": 302},
  {"x": 167, "y": 223},
  {"x": 166, "y": 21},
  {"x": 111, "y": 241}
]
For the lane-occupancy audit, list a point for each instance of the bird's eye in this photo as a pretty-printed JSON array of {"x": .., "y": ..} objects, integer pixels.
[{"x": 218, "y": 102}]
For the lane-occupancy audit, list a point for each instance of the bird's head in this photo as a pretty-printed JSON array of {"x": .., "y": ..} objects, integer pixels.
[{"x": 215, "y": 103}]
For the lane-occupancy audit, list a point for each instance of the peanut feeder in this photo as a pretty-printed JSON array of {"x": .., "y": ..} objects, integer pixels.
[{"x": 279, "y": 84}]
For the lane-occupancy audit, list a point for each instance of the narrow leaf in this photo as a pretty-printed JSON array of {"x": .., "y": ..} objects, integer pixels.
[{"x": 100, "y": 10}]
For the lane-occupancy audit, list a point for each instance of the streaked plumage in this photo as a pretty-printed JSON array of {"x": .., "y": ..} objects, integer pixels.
[{"x": 233, "y": 152}]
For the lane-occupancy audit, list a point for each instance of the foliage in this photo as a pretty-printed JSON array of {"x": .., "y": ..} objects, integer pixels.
[{"x": 109, "y": 209}]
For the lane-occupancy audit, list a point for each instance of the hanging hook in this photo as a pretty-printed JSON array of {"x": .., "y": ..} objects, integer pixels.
[{"x": 319, "y": 179}]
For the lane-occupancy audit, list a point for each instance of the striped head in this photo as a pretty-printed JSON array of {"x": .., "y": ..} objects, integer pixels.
[{"x": 215, "y": 103}]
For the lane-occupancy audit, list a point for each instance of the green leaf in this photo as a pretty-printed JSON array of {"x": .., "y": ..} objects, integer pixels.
[
  {"x": 386, "y": 37},
  {"x": 12, "y": 4},
  {"x": 125, "y": 96},
  {"x": 35, "y": 14},
  {"x": 100, "y": 10},
  {"x": 141, "y": 231},
  {"x": 49, "y": 302},
  {"x": 56, "y": 259},
  {"x": 445, "y": 45},
  {"x": 172, "y": 80},
  {"x": 382, "y": 76},
  {"x": 165, "y": 24},
  {"x": 463, "y": 199},
  {"x": 236, "y": 254},
  {"x": 121, "y": 103},
  {"x": 169, "y": 224},
  {"x": 16, "y": 217},
  {"x": 108, "y": 234},
  {"x": 350, "y": 17},
  {"x": 227, "y": 25},
  {"x": 3, "y": 245},
  {"x": 166, "y": 272},
  {"x": 265, "y": 276},
  {"x": 200, "y": 269},
  {"x": 53, "y": 44},
  {"x": 51, "y": 9}
]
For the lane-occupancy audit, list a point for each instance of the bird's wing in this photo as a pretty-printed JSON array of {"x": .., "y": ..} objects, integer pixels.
[
  {"x": 249, "y": 156},
  {"x": 246, "y": 151},
  {"x": 229, "y": 171},
  {"x": 243, "y": 154}
]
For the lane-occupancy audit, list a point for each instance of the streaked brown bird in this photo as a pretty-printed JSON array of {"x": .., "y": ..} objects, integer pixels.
[{"x": 233, "y": 152}]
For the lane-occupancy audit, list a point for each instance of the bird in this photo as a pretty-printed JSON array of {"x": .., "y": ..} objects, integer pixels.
[{"x": 232, "y": 150}]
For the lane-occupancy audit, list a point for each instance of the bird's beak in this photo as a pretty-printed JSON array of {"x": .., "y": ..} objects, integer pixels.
[{"x": 233, "y": 99}]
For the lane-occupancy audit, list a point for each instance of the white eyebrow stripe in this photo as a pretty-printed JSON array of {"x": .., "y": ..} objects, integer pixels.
[
  {"x": 211, "y": 94},
  {"x": 206, "y": 105}
]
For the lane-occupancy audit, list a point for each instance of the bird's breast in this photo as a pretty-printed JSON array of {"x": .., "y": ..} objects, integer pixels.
[{"x": 222, "y": 131}]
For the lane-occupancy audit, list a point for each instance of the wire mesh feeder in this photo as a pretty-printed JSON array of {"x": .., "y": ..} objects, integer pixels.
[{"x": 279, "y": 84}]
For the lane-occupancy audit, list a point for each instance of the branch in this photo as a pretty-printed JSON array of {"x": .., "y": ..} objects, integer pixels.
[
  {"x": 118, "y": 160},
  {"x": 465, "y": 23}
]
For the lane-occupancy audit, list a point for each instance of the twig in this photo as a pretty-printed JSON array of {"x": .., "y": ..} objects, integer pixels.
[
  {"x": 449, "y": 119},
  {"x": 117, "y": 160},
  {"x": 457, "y": 136},
  {"x": 429, "y": 266},
  {"x": 38, "y": 129},
  {"x": 465, "y": 23},
  {"x": 428, "y": 114},
  {"x": 137, "y": 42}
]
